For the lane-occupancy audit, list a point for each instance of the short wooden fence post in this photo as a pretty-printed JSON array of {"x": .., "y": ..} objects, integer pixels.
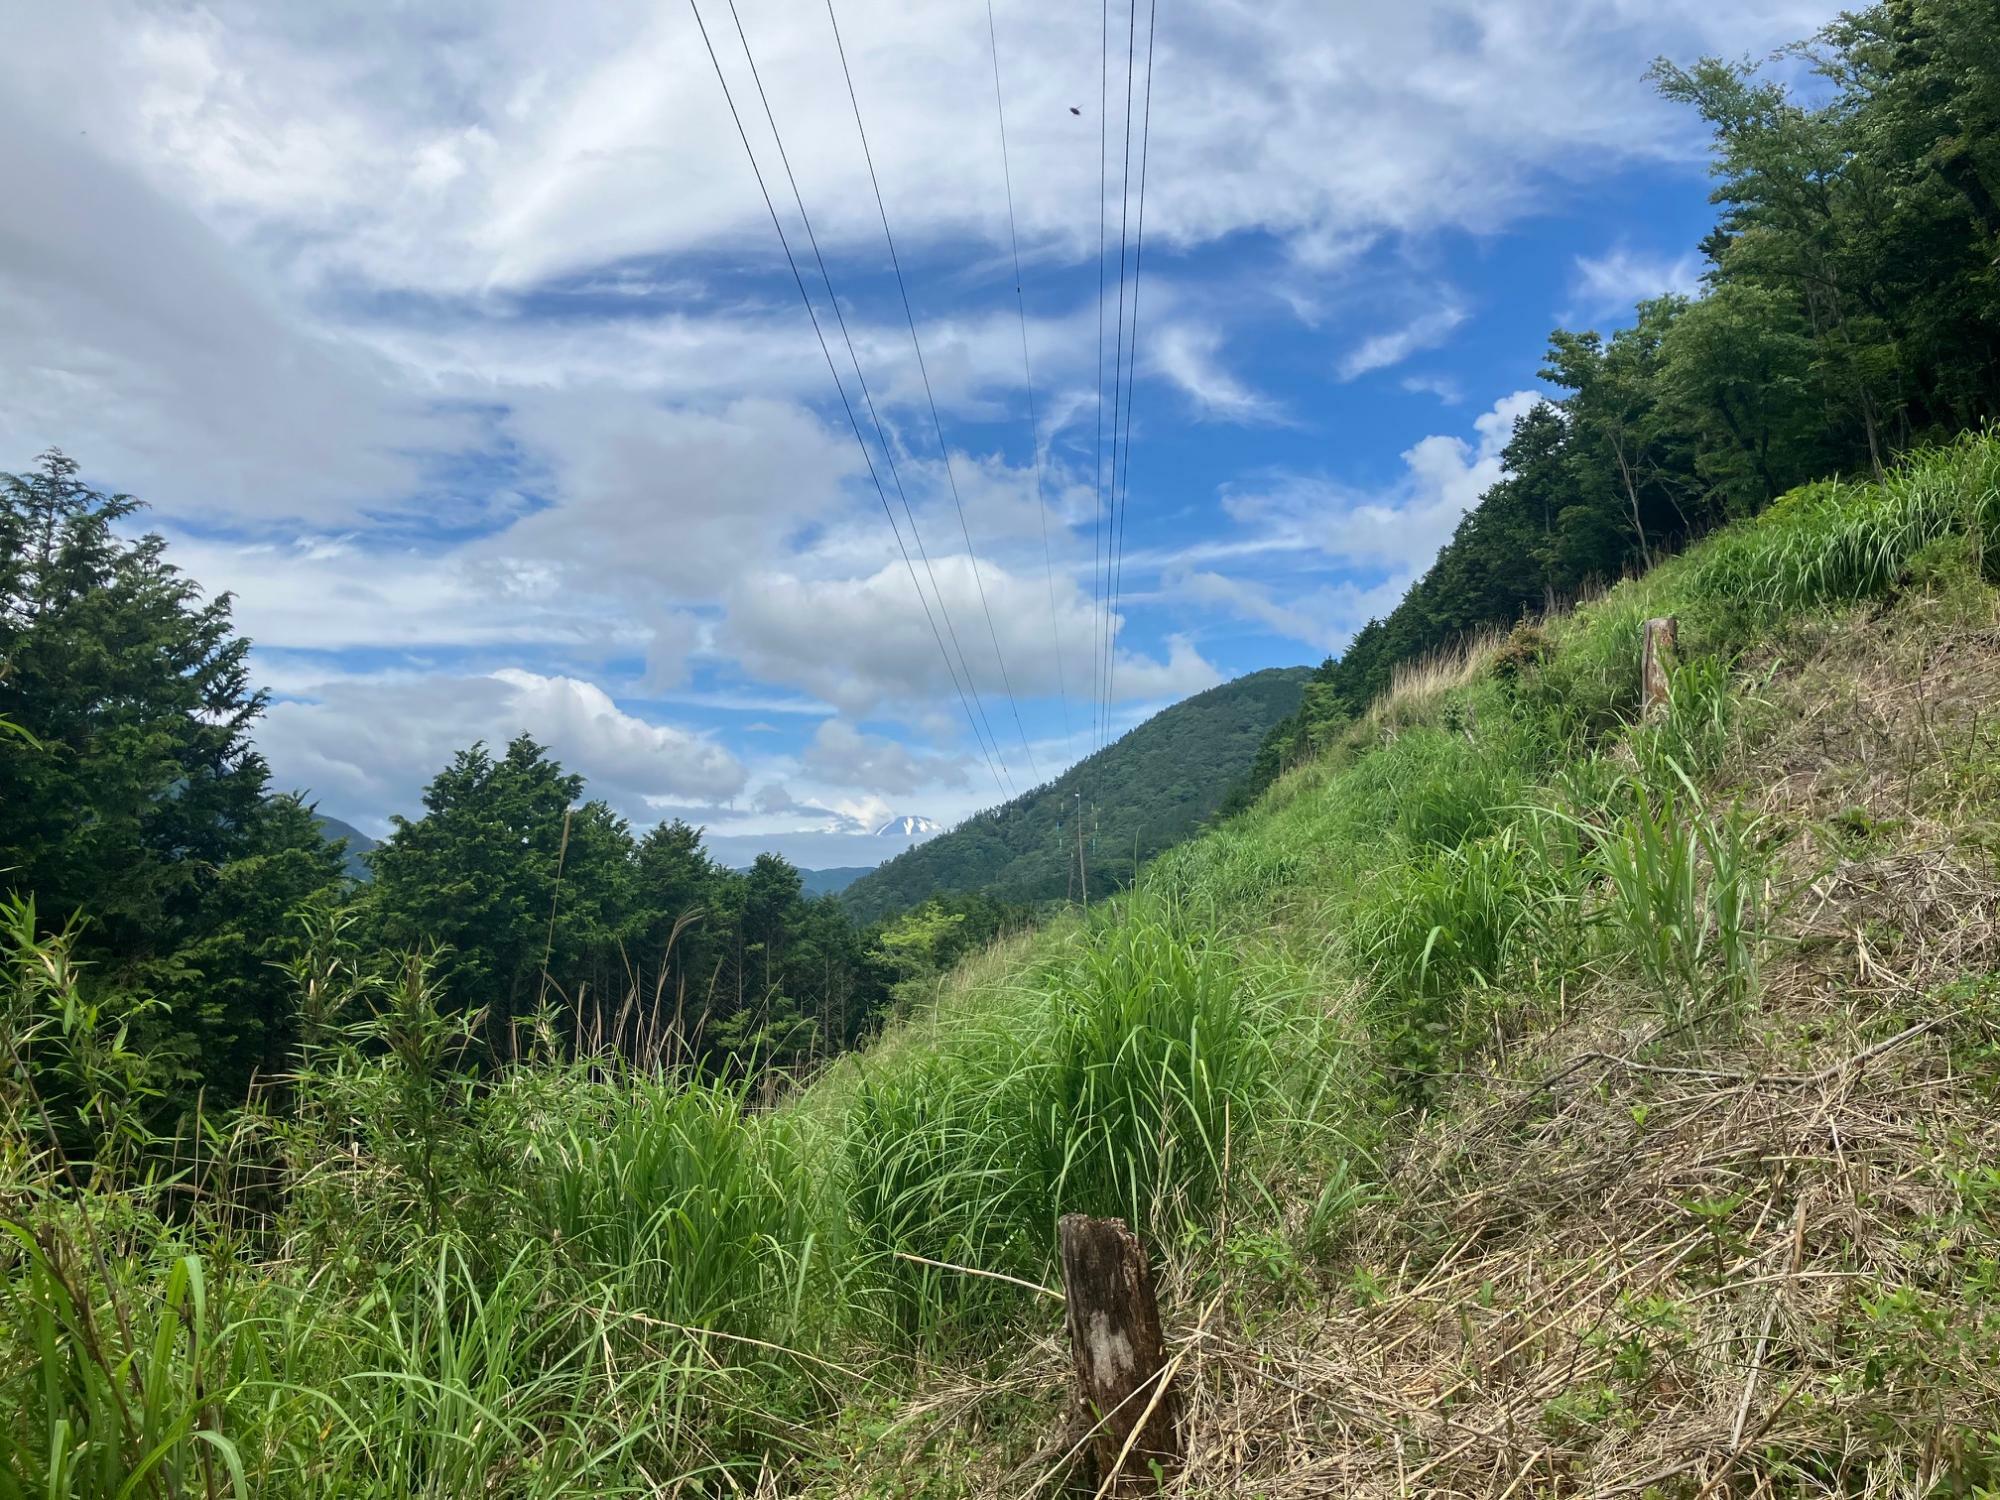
[
  {"x": 1656, "y": 657},
  {"x": 1120, "y": 1354}
]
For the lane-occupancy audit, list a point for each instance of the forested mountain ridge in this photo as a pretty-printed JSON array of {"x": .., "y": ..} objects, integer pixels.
[
  {"x": 1850, "y": 310},
  {"x": 1142, "y": 793},
  {"x": 357, "y": 844}
]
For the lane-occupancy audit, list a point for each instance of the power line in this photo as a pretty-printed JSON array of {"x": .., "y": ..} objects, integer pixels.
[
  {"x": 881, "y": 429},
  {"x": 1123, "y": 508},
  {"x": 923, "y": 370},
  {"x": 1027, "y": 368},
  {"x": 1110, "y": 642},
  {"x": 1097, "y": 538},
  {"x": 853, "y": 421}
]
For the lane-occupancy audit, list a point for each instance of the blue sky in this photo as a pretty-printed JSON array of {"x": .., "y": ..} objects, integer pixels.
[{"x": 456, "y": 343}]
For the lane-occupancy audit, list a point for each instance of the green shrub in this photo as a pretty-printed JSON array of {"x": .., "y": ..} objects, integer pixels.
[
  {"x": 1682, "y": 897},
  {"x": 1156, "y": 1055}
]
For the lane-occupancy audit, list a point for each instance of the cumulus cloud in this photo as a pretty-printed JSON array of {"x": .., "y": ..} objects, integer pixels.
[
  {"x": 841, "y": 754},
  {"x": 671, "y": 497},
  {"x": 863, "y": 644},
  {"x": 367, "y": 745},
  {"x": 1400, "y": 528}
]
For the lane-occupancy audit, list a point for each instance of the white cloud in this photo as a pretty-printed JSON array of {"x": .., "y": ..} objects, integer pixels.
[
  {"x": 669, "y": 498},
  {"x": 1186, "y": 355},
  {"x": 1444, "y": 387},
  {"x": 367, "y": 745},
  {"x": 1609, "y": 285},
  {"x": 556, "y": 142},
  {"x": 314, "y": 593},
  {"x": 1400, "y": 528},
  {"x": 1324, "y": 618},
  {"x": 843, "y": 755},
  {"x": 140, "y": 342},
  {"x": 862, "y": 642},
  {"x": 455, "y": 333},
  {"x": 1380, "y": 351}
]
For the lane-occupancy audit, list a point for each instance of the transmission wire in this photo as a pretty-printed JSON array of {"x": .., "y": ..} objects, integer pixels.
[
  {"x": 1027, "y": 368},
  {"x": 1123, "y": 508},
  {"x": 853, "y": 421}
]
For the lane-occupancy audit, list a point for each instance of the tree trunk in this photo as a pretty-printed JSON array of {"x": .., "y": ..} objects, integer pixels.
[
  {"x": 1632, "y": 496},
  {"x": 1119, "y": 1353}
]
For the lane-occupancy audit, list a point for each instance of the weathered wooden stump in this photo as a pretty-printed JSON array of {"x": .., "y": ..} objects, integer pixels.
[
  {"x": 1120, "y": 1354},
  {"x": 1656, "y": 657}
]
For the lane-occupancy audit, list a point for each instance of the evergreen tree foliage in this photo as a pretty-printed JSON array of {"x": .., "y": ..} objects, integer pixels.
[{"x": 133, "y": 803}]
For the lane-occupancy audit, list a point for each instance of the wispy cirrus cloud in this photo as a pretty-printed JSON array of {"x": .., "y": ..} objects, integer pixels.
[
  {"x": 1609, "y": 284},
  {"x": 1188, "y": 355},
  {"x": 1380, "y": 351}
]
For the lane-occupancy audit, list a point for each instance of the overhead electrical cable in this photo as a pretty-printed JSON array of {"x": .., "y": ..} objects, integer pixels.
[
  {"x": 1124, "y": 504},
  {"x": 1109, "y": 645},
  {"x": 1027, "y": 367},
  {"x": 916, "y": 343},
  {"x": 1097, "y": 535},
  {"x": 994, "y": 763},
  {"x": 881, "y": 428}
]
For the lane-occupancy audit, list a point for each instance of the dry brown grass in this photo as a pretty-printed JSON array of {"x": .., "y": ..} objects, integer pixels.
[{"x": 1416, "y": 686}]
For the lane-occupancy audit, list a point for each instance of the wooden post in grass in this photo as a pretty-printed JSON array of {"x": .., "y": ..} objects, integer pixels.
[
  {"x": 1120, "y": 1355},
  {"x": 1657, "y": 655}
]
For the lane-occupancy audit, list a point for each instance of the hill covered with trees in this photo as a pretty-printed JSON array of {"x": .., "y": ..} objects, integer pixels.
[
  {"x": 1850, "y": 310},
  {"x": 1144, "y": 792}
]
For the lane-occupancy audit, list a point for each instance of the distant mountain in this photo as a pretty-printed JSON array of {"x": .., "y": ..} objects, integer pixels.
[
  {"x": 1139, "y": 795},
  {"x": 830, "y": 882},
  {"x": 358, "y": 844},
  {"x": 908, "y": 827}
]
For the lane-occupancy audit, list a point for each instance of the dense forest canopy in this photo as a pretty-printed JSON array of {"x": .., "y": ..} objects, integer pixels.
[{"x": 1850, "y": 310}]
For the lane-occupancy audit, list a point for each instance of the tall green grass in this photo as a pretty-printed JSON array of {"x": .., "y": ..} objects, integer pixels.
[
  {"x": 1683, "y": 898},
  {"x": 1842, "y": 541},
  {"x": 1122, "y": 1085}
]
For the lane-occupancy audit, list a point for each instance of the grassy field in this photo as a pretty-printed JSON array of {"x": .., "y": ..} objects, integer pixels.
[{"x": 1521, "y": 1099}]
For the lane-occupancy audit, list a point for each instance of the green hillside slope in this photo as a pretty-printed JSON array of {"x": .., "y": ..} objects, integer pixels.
[
  {"x": 1143, "y": 793},
  {"x": 1531, "y": 1095}
]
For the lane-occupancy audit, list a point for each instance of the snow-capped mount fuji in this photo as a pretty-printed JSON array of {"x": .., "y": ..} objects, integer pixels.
[{"x": 908, "y": 826}]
